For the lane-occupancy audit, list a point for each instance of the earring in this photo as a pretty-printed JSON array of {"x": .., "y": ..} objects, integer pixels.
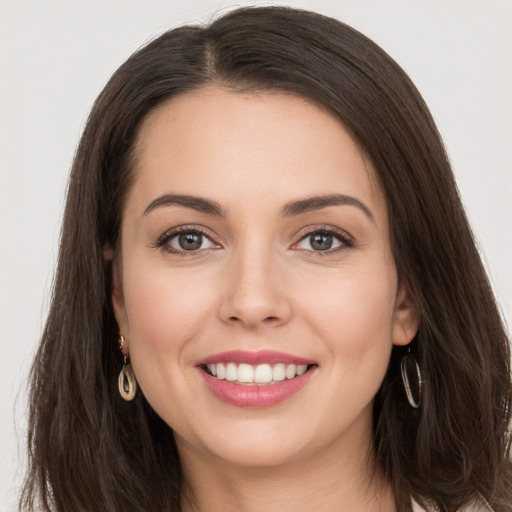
[
  {"x": 405, "y": 379},
  {"x": 126, "y": 382}
]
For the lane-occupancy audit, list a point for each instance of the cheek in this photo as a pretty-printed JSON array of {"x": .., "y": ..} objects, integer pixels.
[
  {"x": 165, "y": 311},
  {"x": 355, "y": 327},
  {"x": 163, "y": 305},
  {"x": 353, "y": 313}
]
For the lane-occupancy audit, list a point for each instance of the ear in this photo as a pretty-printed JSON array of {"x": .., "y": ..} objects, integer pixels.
[
  {"x": 405, "y": 317},
  {"x": 118, "y": 303}
]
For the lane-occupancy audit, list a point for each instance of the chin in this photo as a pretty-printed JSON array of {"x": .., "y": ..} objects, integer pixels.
[
  {"x": 252, "y": 443},
  {"x": 259, "y": 454}
]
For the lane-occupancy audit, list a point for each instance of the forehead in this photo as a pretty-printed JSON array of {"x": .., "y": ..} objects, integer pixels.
[{"x": 231, "y": 145}]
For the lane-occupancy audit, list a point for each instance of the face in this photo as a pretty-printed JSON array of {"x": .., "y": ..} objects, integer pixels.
[{"x": 256, "y": 286}]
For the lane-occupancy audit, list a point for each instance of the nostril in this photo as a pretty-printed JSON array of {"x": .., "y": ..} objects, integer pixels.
[{"x": 268, "y": 319}]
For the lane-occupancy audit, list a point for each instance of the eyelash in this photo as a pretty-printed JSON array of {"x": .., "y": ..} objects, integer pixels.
[
  {"x": 163, "y": 241},
  {"x": 346, "y": 241}
]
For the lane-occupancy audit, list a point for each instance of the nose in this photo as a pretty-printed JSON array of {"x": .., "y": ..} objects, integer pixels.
[{"x": 254, "y": 293}]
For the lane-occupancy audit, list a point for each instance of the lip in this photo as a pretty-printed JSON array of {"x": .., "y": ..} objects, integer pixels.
[
  {"x": 254, "y": 358},
  {"x": 255, "y": 396}
]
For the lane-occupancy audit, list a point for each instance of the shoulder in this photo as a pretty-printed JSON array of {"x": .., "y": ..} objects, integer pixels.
[{"x": 479, "y": 505}]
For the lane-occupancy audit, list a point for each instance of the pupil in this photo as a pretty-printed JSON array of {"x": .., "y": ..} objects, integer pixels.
[
  {"x": 321, "y": 242},
  {"x": 190, "y": 241}
]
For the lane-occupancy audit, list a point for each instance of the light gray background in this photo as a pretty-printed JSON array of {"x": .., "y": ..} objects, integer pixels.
[{"x": 56, "y": 57}]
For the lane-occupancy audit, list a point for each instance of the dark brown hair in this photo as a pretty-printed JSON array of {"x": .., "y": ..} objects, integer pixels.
[{"x": 91, "y": 451}]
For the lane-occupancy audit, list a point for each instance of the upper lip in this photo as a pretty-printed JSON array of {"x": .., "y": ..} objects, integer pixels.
[{"x": 254, "y": 358}]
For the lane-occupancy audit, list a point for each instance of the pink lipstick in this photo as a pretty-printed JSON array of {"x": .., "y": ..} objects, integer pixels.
[{"x": 255, "y": 379}]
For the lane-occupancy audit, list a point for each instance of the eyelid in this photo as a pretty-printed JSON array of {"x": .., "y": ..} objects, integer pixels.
[
  {"x": 163, "y": 240},
  {"x": 347, "y": 241},
  {"x": 343, "y": 236}
]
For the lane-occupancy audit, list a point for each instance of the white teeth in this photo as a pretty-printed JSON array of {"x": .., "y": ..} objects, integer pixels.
[
  {"x": 221, "y": 371},
  {"x": 263, "y": 373},
  {"x": 245, "y": 373},
  {"x": 231, "y": 372},
  {"x": 301, "y": 369},
  {"x": 278, "y": 372},
  {"x": 291, "y": 371},
  {"x": 260, "y": 374}
]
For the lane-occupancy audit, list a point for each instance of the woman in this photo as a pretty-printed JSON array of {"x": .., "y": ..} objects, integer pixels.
[{"x": 268, "y": 295}]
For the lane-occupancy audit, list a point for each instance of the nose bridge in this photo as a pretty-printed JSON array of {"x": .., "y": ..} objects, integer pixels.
[{"x": 253, "y": 291}]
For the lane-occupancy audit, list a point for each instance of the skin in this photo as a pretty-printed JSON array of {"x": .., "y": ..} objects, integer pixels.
[{"x": 257, "y": 283}]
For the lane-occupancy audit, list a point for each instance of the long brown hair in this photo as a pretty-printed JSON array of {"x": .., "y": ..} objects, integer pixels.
[{"x": 89, "y": 450}]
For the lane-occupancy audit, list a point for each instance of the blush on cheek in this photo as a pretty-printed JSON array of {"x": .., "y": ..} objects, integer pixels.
[{"x": 160, "y": 313}]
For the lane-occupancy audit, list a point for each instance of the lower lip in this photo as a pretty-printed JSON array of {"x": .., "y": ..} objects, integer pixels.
[{"x": 255, "y": 396}]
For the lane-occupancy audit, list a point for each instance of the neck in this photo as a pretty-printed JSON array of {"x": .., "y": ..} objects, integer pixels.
[{"x": 338, "y": 479}]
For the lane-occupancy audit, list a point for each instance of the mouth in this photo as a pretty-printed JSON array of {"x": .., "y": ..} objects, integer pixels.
[
  {"x": 255, "y": 379},
  {"x": 255, "y": 375}
]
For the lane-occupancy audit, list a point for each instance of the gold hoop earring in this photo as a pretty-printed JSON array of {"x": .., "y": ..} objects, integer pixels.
[
  {"x": 405, "y": 379},
  {"x": 126, "y": 382}
]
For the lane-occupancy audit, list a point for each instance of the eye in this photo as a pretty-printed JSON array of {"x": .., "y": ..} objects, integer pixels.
[
  {"x": 324, "y": 240},
  {"x": 186, "y": 240},
  {"x": 319, "y": 242},
  {"x": 190, "y": 241}
]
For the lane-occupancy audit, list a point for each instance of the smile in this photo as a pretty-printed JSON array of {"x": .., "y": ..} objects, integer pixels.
[
  {"x": 261, "y": 374},
  {"x": 255, "y": 379}
]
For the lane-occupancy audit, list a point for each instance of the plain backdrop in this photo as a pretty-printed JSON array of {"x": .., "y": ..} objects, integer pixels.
[{"x": 55, "y": 57}]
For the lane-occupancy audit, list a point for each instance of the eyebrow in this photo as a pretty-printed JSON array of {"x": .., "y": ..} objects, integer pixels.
[
  {"x": 318, "y": 202},
  {"x": 195, "y": 203},
  {"x": 291, "y": 209}
]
